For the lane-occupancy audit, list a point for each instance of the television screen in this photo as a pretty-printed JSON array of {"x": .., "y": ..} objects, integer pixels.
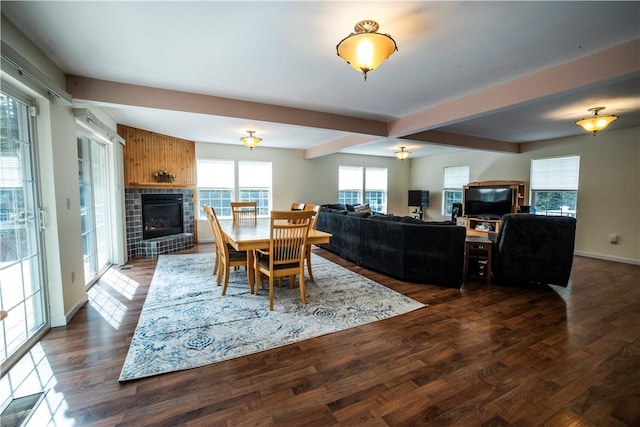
[
  {"x": 419, "y": 198},
  {"x": 488, "y": 202}
]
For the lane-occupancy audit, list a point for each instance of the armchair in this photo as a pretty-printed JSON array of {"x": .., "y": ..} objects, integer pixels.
[{"x": 533, "y": 249}]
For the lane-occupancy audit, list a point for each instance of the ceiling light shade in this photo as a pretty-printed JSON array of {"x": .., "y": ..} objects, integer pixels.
[
  {"x": 596, "y": 123},
  {"x": 402, "y": 154},
  {"x": 365, "y": 49},
  {"x": 251, "y": 141}
]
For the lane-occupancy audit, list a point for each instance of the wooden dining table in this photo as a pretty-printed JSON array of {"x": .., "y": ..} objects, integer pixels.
[{"x": 249, "y": 237}]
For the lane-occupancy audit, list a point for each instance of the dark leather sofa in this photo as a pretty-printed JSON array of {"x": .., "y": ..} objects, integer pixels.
[
  {"x": 533, "y": 249},
  {"x": 401, "y": 247}
]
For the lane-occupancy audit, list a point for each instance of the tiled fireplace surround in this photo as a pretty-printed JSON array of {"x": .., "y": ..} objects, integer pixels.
[{"x": 138, "y": 248}]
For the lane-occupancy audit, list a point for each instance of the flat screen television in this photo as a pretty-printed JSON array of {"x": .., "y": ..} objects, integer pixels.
[
  {"x": 488, "y": 202},
  {"x": 419, "y": 198}
]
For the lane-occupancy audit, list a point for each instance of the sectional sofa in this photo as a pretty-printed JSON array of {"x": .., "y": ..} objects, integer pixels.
[{"x": 402, "y": 247}]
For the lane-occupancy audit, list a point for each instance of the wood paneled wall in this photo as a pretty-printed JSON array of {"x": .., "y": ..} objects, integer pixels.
[{"x": 146, "y": 153}]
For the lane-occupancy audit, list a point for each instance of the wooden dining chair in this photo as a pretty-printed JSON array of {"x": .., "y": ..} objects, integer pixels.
[
  {"x": 295, "y": 206},
  {"x": 244, "y": 213},
  {"x": 286, "y": 254},
  {"x": 315, "y": 209},
  {"x": 226, "y": 256}
]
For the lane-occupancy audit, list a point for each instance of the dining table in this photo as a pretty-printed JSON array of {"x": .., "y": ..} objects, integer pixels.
[{"x": 249, "y": 237}]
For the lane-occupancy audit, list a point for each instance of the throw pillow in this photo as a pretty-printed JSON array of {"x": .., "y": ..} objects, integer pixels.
[{"x": 362, "y": 208}]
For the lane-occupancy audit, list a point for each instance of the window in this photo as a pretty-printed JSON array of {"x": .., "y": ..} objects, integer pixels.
[
  {"x": 217, "y": 188},
  {"x": 455, "y": 177},
  {"x": 216, "y": 185},
  {"x": 350, "y": 185},
  {"x": 356, "y": 181},
  {"x": 254, "y": 182},
  {"x": 554, "y": 185},
  {"x": 376, "y": 189}
]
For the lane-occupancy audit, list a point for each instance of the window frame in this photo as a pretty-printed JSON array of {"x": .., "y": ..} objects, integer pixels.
[
  {"x": 360, "y": 194},
  {"x": 559, "y": 175},
  {"x": 233, "y": 189},
  {"x": 451, "y": 193}
]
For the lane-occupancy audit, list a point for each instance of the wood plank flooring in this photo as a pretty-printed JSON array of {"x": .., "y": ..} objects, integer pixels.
[{"x": 483, "y": 355}]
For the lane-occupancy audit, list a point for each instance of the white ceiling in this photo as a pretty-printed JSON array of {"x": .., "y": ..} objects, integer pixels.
[{"x": 461, "y": 67}]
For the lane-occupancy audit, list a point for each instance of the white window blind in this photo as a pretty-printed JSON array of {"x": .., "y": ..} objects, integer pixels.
[
  {"x": 456, "y": 176},
  {"x": 254, "y": 174},
  {"x": 350, "y": 178},
  {"x": 215, "y": 174},
  {"x": 557, "y": 173},
  {"x": 376, "y": 179}
]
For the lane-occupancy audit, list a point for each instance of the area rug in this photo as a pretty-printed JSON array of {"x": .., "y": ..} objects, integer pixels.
[{"x": 186, "y": 322}]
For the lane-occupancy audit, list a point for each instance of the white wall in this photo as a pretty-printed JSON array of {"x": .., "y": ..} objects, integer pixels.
[
  {"x": 57, "y": 159},
  {"x": 311, "y": 181},
  {"x": 608, "y": 194}
]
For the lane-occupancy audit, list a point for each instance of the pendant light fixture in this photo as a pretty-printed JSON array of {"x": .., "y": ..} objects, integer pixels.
[
  {"x": 251, "y": 141},
  {"x": 596, "y": 123},
  {"x": 402, "y": 154},
  {"x": 365, "y": 48}
]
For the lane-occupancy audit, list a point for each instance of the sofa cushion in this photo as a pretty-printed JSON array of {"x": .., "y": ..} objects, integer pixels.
[
  {"x": 392, "y": 218},
  {"x": 359, "y": 214},
  {"x": 411, "y": 220}
]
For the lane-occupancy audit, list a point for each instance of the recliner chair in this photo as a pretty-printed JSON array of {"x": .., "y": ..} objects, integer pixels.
[{"x": 533, "y": 249}]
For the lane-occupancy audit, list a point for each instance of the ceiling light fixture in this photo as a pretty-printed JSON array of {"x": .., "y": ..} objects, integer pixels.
[
  {"x": 596, "y": 123},
  {"x": 365, "y": 49},
  {"x": 251, "y": 141},
  {"x": 402, "y": 154}
]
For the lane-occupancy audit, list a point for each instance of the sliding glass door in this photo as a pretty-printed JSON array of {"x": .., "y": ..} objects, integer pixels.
[
  {"x": 22, "y": 290},
  {"x": 94, "y": 207}
]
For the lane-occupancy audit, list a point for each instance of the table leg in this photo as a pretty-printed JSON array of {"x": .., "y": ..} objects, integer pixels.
[{"x": 251, "y": 272}]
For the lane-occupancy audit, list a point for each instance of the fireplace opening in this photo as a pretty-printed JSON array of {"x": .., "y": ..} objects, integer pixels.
[{"x": 161, "y": 215}]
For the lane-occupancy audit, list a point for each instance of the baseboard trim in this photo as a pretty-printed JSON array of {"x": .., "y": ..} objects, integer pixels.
[
  {"x": 63, "y": 321},
  {"x": 607, "y": 257}
]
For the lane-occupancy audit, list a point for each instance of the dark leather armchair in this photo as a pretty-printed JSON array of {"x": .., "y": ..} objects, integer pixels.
[{"x": 533, "y": 249}]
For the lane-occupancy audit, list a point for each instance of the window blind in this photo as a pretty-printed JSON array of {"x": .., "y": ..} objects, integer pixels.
[
  {"x": 456, "y": 176},
  {"x": 376, "y": 179},
  {"x": 557, "y": 173},
  {"x": 215, "y": 174},
  {"x": 350, "y": 178},
  {"x": 254, "y": 174}
]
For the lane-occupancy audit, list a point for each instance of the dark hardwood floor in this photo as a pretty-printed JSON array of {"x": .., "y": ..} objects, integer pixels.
[{"x": 482, "y": 355}]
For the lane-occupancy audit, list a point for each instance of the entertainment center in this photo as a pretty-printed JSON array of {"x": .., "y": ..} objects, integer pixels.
[{"x": 485, "y": 202}]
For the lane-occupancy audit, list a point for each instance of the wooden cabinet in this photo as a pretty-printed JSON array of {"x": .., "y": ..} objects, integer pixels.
[
  {"x": 477, "y": 258},
  {"x": 483, "y": 226}
]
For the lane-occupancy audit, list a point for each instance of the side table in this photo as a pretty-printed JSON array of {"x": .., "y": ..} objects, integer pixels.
[{"x": 477, "y": 258}]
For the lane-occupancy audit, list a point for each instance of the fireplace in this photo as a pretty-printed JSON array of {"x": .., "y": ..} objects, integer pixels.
[
  {"x": 142, "y": 205},
  {"x": 161, "y": 215}
]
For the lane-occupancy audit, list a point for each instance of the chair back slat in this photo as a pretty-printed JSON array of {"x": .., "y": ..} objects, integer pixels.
[
  {"x": 316, "y": 213},
  {"x": 288, "y": 236},
  {"x": 217, "y": 231},
  {"x": 244, "y": 213}
]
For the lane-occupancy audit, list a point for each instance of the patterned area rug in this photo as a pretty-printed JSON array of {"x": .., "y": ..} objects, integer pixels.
[{"x": 186, "y": 323}]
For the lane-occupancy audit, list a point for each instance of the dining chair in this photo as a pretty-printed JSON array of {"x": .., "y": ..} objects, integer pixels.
[
  {"x": 244, "y": 213},
  {"x": 286, "y": 254},
  {"x": 226, "y": 256},
  {"x": 315, "y": 209},
  {"x": 295, "y": 206}
]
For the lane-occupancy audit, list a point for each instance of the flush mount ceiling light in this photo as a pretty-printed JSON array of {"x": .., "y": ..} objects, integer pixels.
[
  {"x": 596, "y": 123},
  {"x": 251, "y": 141},
  {"x": 365, "y": 49},
  {"x": 402, "y": 154}
]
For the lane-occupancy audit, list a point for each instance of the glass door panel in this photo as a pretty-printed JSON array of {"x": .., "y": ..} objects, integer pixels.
[{"x": 22, "y": 293}]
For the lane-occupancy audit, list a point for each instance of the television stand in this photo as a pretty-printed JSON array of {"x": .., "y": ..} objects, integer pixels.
[{"x": 481, "y": 226}]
